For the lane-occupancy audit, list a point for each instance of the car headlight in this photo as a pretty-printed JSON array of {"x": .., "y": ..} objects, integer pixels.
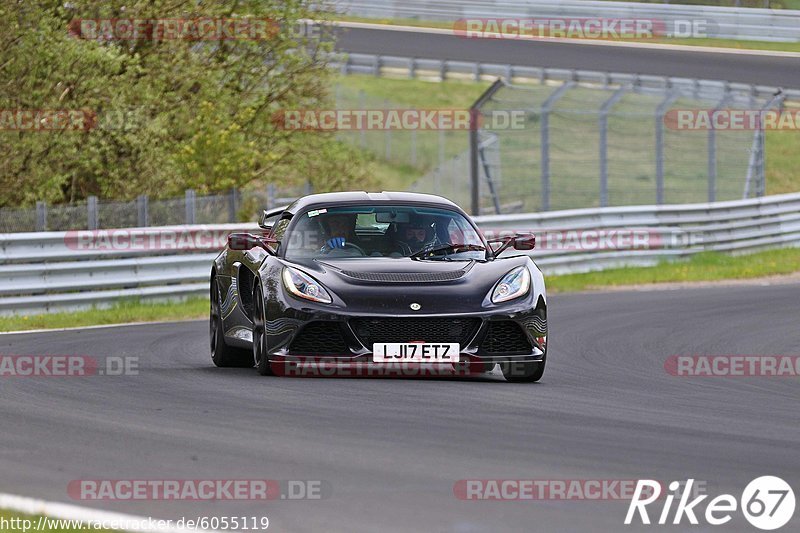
[
  {"x": 513, "y": 285},
  {"x": 304, "y": 286}
]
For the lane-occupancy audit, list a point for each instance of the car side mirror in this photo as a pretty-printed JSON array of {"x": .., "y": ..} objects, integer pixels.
[
  {"x": 262, "y": 220},
  {"x": 248, "y": 241},
  {"x": 525, "y": 241}
]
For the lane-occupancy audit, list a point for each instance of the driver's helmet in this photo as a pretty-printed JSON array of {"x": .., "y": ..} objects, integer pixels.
[
  {"x": 339, "y": 224},
  {"x": 416, "y": 234}
]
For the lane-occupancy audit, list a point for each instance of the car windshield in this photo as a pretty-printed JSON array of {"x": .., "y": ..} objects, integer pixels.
[{"x": 394, "y": 231}]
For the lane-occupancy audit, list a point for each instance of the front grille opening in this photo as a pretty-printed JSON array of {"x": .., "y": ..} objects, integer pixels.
[
  {"x": 372, "y": 330},
  {"x": 506, "y": 337},
  {"x": 406, "y": 277},
  {"x": 324, "y": 338}
]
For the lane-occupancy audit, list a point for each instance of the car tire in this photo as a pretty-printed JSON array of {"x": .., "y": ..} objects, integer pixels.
[
  {"x": 221, "y": 354},
  {"x": 259, "y": 336},
  {"x": 524, "y": 372}
]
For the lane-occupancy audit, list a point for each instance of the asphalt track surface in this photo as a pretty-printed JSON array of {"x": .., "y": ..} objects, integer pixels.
[
  {"x": 390, "y": 450},
  {"x": 769, "y": 70}
]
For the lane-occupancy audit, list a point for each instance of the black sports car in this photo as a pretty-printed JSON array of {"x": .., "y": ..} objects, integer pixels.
[{"x": 358, "y": 280}]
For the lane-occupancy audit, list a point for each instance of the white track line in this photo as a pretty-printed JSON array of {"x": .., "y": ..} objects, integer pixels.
[
  {"x": 587, "y": 42},
  {"x": 101, "y": 326},
  {"x": 63, "y": 511}
]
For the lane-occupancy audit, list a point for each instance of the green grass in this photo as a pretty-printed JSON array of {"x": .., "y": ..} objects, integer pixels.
[
  {"x": 129, "y": 311},
  {"x": 715, "y": 43},
  {"x": 707, "y": 266},
  {"x": 53, "y": 525},
  {"x": 782, "y": 151}
]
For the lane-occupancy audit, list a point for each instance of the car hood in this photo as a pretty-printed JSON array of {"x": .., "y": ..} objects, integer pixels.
[{"x": 384, "y": 285}]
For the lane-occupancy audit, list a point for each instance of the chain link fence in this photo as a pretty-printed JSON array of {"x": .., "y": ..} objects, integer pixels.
[
  {"x": 414, "y": 150},
  {"x": 234, "y": 206},
  {"x": 586, "y": 145}
]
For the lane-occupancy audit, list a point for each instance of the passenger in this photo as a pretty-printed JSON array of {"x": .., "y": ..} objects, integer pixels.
[{"x": 415, "y": 236}]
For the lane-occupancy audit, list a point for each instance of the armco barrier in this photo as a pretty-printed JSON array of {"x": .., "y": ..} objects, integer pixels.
[
  {"x": 781, "y": 25},
  {"x": 441, "y": 69},
  {"x": 49, "y": 271}
]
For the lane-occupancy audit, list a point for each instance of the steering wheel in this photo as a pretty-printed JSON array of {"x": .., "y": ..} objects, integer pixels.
[
  {"x": 407, "y": 251},
  {"x": 327, "y": 249}
]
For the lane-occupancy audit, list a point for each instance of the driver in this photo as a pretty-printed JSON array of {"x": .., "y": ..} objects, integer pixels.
[
  {"x": 415, "y": 236},
  {"x": 339, "y": 230}
]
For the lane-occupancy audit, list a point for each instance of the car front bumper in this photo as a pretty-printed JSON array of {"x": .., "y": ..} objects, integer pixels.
[{"x": 303, "y": 333}]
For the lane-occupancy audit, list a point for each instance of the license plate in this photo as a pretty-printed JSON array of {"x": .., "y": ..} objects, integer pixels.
[{"x": 415, "y": 352}]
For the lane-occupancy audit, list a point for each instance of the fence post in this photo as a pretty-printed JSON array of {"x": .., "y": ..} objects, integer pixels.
[
  {"x": 605, "y": 109},
  {"x": 232, "y": 201},
  {"x": 141, "y": 209},
  {"x": 757, "y": 163},
  {"x": 712, "y": 164},
  {"x": 712, "y": 151},
  {"x": 412, "y": 67},
  {"x": 487, "y": 169},
  {"x": 307, "y": 188},
  {"x": 91, "y": 213},
  {"x": 270, "y": 196},
  {"x": 41, "y": 216},
  {"x": 442, "y": 141},
  {"x": 761, "y": 186},
  {"x": 474, "y": 164},
  {"x": 661, "y": 112},
  {"x": 377, "y": 66},
  {"x": 387, "y": 136},
  {"x": 189, "y": 200},
  {"x": 414, "y": 148},
  {"x": 544, "y": 132},
  {"x": 362, "y": 134}
]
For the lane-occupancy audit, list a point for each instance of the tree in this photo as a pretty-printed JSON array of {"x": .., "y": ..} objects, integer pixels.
[{"x": 167, "y": 109}]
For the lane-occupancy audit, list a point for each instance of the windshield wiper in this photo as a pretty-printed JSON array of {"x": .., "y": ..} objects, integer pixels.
[{"x": 450, "y": 248}]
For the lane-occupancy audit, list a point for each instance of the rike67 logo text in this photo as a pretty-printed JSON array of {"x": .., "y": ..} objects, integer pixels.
[{"x": 767, "y": 503}]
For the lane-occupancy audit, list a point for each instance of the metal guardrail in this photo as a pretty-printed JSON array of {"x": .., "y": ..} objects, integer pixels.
[
  {"x": 441, "y": 69},
  {"x": 51, "y": 271},
  {"x": 670, "y": 232},
  {"x": 779, "y": 25}
]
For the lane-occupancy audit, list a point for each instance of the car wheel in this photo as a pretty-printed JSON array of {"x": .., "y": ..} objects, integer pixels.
[
  {"x": 222, "y": 354},
  {"x": 260, "y": 350},
  {"x": 524, "y": 372}
]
